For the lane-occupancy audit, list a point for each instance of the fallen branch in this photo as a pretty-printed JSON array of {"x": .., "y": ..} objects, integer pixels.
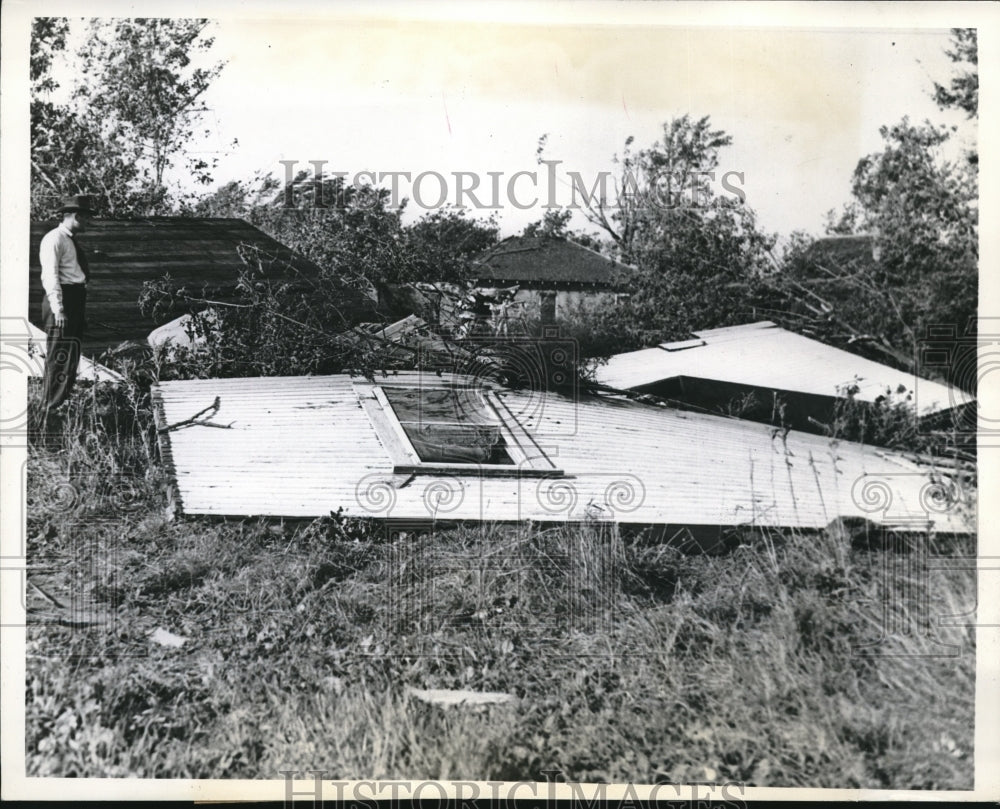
[{"x": 211, "y": 410}]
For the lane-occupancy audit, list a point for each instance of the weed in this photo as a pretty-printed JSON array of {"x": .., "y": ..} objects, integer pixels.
[{"x": 628, "y": 658}]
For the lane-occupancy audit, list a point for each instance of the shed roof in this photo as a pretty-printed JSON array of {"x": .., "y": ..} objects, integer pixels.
[
  {"x": 306, "y": 446},
  {"x": 199, "y": 253},
  {"x": 765, "y": 356},
  {"x": 546, "y": 261}
]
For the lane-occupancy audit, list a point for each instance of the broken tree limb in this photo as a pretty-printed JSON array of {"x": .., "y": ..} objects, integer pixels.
[
  {"x": 196, "y": 419},
  {"x": 825, "y": 311}
]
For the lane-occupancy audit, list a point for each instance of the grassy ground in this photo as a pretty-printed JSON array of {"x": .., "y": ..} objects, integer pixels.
[{"x": 629, "y": 660}]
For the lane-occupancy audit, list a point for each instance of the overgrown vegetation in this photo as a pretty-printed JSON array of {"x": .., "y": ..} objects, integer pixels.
[
  {"x": 236, "y": 649},
  {"x": 300, "y": 641}
]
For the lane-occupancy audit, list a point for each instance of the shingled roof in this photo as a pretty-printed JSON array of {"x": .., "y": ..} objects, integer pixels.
[
  {"x": 201, "y": 254},
  {"x": 548, "y": 262}
]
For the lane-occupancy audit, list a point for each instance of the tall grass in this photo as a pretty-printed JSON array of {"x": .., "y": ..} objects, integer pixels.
[{"x": 629, "y": 659}]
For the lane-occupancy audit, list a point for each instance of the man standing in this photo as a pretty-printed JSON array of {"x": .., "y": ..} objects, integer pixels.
[{"x": 65, "y": 273}]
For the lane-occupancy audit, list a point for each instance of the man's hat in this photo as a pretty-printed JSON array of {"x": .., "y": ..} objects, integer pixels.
[{"x": 81, "y": 202}]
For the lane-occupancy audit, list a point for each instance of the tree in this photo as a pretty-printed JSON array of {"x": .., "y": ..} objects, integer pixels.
[
  {"x": 921, "y": 210},
  {"x": 142, "y": 79},
  {"x": 347, "y": 229},
  {"x": 921, "y": 214},
  {"x": 670, "y": 174},
  {"x": 555, "y": 224},
  {"x": 68, "y": 153},
  {"x": 440, "y": 245},
  {"x": 700, "y": 256},
  {"x": 963, "y": 90},
  {"x": 922, "y": 205},
  {"x": 699, "y": 269},
  {"x": 237, "y": 198},
  {"x": 925, "y": 212},
  {"x": 48, "y": 40},
  {"x": 130, "y": 116}
]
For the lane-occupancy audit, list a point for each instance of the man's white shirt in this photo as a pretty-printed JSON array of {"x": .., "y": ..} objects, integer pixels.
[{"x": 57, "y": 254}]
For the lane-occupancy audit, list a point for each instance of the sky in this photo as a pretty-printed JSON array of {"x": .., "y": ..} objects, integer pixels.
[
  {"x": 802, "y": 105},
  {"x": 402, "y": 89}
]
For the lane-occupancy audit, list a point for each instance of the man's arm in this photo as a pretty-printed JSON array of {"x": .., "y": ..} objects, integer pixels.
[{"x": 48, "y": 255}]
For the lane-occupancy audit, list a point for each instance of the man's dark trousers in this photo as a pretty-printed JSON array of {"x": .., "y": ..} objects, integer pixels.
[{"x": 62, "y": 351}]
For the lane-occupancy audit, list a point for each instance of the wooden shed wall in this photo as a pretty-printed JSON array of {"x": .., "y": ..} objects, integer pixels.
[{"x": 201, "y": 254}]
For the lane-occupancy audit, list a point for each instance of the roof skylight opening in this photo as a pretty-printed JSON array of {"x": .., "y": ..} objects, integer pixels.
[
  {"x": 452, "y": 429},
  {"x": 449, "y": 425}
]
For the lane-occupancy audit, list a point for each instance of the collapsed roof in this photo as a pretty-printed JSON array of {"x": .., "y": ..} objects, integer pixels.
[
  {"x": 762, "y": 357},
  {"x": 415, "y": 448}
]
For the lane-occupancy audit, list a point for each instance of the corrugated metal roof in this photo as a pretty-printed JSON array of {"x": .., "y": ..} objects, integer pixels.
[
  {"x": 305, "y": 446},
  {"x": 765, "y": 356},
  {"x": 541, "y": 260},
  {"x": 201, "y": 254}
]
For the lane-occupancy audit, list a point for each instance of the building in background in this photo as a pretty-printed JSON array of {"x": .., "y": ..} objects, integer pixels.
[
  {"x": 554, "y": 276},
  {"x": 205, "y": 256}
]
